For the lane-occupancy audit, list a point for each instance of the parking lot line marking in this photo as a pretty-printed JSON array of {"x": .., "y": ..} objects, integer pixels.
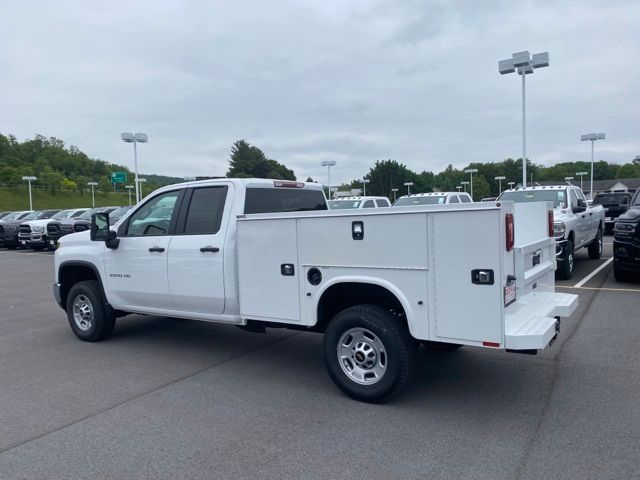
[
  {"x": 593, "y": 274},
  {"x": 604, "y": 289}
]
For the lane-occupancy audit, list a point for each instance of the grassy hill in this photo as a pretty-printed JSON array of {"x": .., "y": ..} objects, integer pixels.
[{"x": 18, "y": 199}]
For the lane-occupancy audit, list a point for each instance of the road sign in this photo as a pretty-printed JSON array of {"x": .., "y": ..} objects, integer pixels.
[{"x": 118, "y": 177}]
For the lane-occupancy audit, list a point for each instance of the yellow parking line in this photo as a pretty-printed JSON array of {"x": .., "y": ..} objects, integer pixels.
[{"x": 635, "y": 290}]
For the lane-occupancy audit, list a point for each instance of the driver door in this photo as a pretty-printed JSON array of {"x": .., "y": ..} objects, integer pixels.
[{"x": 137, "y": 270}]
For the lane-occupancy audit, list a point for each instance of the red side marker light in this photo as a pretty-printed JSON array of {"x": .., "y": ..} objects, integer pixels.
[
  {"x": 509, "y": 232},
  {"x": 491, "y": 344}
]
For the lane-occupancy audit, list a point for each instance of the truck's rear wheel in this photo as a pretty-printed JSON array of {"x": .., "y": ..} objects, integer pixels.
[
  {"x": 595, "y": 247},
  {"x": 369, "y": 353},
  {"x": 565, "y": 267},
  {"x": 89, "y": 317}
]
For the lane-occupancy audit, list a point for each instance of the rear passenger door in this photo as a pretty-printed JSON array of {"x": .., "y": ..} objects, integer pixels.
[{"x": 196, "y": 251}]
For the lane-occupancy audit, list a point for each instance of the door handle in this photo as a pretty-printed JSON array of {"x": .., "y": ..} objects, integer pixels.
[
  {"x": 583, "y": 216},
  {"x": 156, "y": 249},
  {"x": 209, "y": 249}
]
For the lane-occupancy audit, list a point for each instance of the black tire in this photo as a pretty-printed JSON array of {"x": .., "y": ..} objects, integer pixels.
[
  {"x": 565, "y": 267},
  {"x": 595, "y": 247},
  {"x": 622, "y": 275},
  {"x": 441, "y": 346},
  {"x": 102, "y": 318},
  {"x": 396, "y": 358}
]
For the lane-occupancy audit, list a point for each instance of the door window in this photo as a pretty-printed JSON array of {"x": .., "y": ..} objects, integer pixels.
[
  {"x": 454, "y": 199},
  {"x": 382, "y": 202},
  {"x": 465, "y": 198},
  {"x": 154, "y": 217},
  {"x": 205, "y": 211},
  {"x": 369, "y": 204}
]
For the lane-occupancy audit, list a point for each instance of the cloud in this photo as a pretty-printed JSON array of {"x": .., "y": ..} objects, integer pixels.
[{"x": 309, "y": 81}]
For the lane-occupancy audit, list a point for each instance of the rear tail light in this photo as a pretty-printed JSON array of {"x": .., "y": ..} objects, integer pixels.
[
  {"x": 277, "y": 183},
  {"x": 509, "y": 231},
  {"x": 550, "y": 222}
]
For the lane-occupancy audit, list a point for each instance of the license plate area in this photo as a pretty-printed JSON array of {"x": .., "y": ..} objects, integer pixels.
[{"x": 510, "y": 292}]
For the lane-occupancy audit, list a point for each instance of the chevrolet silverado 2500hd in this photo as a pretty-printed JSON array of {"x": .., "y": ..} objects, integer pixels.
[
  {"x": 257, "y": 253},
  {"x": 576, "y": 224}
]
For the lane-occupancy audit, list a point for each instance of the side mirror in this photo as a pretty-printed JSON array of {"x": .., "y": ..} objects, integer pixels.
[
  {"x": 100, "y": 230},
  {"x": 582, "y": 206}
]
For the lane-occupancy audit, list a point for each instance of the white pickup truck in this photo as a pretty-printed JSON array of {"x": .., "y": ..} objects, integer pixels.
[
  {"x": 257, "y": 253},
  {"x": 576, "y": 224}
]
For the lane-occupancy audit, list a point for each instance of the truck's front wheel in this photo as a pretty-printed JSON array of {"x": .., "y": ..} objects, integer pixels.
[
  {"x": 595, "y": 247},
  {"x": 565, "y": 267},
  {"x": 89, "y": 317},
  {"x": 369, "y": 353}
]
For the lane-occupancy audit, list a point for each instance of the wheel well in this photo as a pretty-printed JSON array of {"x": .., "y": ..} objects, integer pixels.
[
  {"x": 69, "y": 275},
  {"x": 341, "y": 296}
]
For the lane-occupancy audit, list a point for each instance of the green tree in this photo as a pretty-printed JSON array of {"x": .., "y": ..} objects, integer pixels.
[
  {"x": 628, "y": 170},
  {"x": 387, "y": 175},
  {"x": 249, "y": 161},
  {"x": 480, "y": 188}
]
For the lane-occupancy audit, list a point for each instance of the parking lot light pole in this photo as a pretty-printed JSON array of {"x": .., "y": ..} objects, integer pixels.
[
  {"x": 395, "y": 191},
  {"x": 511, "y": 184},
  {"x": 464, "y": 184},
  {"x": 129, "y": 188},
  {"x": 458, "y": 187},
  {"x": 93, "y": 196},
  {"x": 568, "y": 180},
  {"x": 135, "y": 139},
  {"x": 500, "y": 178},
  {"x": 364, "y": 186},
  {"x": 29, "y": 179},
  {"x": 328, "y": 164},
  {"x": 581, "y": 174},
  {"x": 140, "y": 182},
  {"x": 592, "y": 137},
  {"x": 524, "y": 63},
  {"x": 408, "y": 185},
  {"x": 471, "y": 171},
  {"x": 636, "y": 159}
]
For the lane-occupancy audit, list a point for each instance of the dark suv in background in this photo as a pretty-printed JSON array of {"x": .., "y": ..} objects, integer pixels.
[
  {"x": 626, "y": 242},
  {"x": 615, "y": 204},
  {"x": 9, "y": 225}
]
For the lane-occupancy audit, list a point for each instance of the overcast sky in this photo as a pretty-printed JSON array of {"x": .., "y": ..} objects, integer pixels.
[{"x": 306, "y": 81}]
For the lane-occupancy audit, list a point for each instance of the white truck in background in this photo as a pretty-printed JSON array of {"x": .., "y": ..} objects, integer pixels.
[
  {"x": 377, "y": 282},
  {"x": 576, "y": 223}
]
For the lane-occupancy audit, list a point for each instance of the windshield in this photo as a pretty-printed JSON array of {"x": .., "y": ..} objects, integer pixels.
[
  {"x": 62, "y": 214},
  {"x": 430, "y": 200},
  {"x": 522, "y": 196},
  {"x": 119, "y": 212},
  {"x": 87, "y": 215},
  {"x": 32, "y": 216},
  {"x": 12, "y": 216},
  {"x": 344, "y": 204},
  {"x": 610, "y": 198},
  {"x": 636, "y": 198}
]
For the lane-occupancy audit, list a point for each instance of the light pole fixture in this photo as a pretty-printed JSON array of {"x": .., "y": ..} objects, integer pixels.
[
  {"x": 30, "y": 179},
  {"x": 523, "y": 63},
  {"x": 568, "y": 180},
  {"x": 471, "y": 171},
  {"x": 129, "y": 188},
  {"x": 464, "y": 184},
  {"x": 408, "y": 185},
  {"x": 500, "y": 178},
  {"x": 395, "y": 192},
  {"x": 93, "y": 197},
  {"x": 511, "y": 184},
  {"x": 135, "y": 139},
  {"x": 581, "y": 174},
  {"x": 592, "y": 137},
  {"x": 328, "y": 164},
  {"x": 636, "y": 159},
  {"x": 364, "y": 186},
  {"x": 458, "y": 187}
]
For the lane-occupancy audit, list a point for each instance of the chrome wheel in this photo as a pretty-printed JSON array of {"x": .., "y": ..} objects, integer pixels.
[
  {"x": 362, "y": 356},
  {"x": 570, "y": 257},
  {"x": 83, "y": 312}
]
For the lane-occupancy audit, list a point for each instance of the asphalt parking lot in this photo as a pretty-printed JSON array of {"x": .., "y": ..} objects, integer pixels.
[{"x": 167, "y": 399}]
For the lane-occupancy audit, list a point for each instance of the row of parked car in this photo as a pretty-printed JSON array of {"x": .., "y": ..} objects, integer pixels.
[{"x": 42, "y": 229}]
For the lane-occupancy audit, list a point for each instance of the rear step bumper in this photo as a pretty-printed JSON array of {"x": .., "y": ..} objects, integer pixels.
[{"x": 530, "y": 322}]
